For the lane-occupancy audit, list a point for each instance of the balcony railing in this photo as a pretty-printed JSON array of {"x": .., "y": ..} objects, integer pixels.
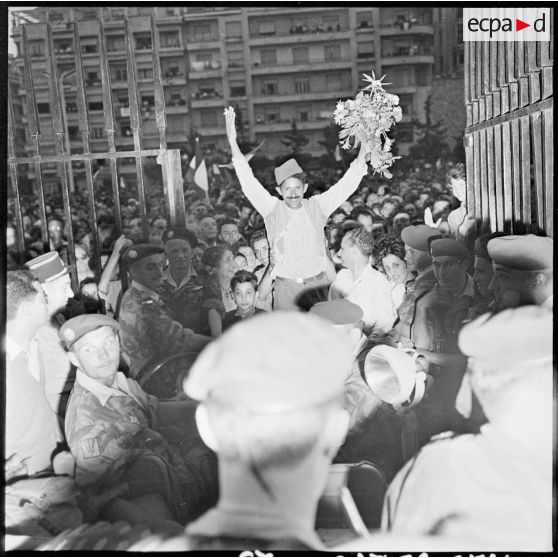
[
  {"x": 205, "y": 65},
  {"x": 300, "y": 30},
  {"x": 411, "y": 50},
  {"x": 278, "y": 63}
]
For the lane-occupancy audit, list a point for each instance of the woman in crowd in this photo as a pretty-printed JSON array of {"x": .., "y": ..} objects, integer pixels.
[{"x": 218, "y": 299}]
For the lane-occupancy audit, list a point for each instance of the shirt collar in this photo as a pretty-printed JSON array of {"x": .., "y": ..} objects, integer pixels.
[
  {"x": 170, "y": 279},
  {"x": 100, "y": 391},
  {"x": 424, "y": 271},
  {"x": 138, "y": 286}
]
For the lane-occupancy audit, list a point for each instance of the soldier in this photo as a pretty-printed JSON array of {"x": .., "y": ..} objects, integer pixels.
[
  {"x": 111, "y": 423},
  {"x": 148, "y": 332},
  {"x": 295, "y": 226},
  {"x": 493, "y": 488},
  {"x": 49, "y": 362},
  {"x": 181, "y": 290},
  {"x": 522, "y": 270},
  {"x": 439, "y": 317},
  {"x": 419, "y": 261}
]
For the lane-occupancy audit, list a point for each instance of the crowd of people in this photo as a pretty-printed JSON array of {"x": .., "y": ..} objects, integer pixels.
[{"x": 345, "y": 319}]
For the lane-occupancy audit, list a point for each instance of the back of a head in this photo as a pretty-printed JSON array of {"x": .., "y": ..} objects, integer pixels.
[{"x": 269, "y": 384}]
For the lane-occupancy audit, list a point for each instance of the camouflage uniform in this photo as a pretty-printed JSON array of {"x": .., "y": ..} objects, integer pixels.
[
  {"x": 109, "y": 428},
  {"x": 185, "y": 300},
  {"x": 415, "y": 289},
  {"x": 147, "y": 331}
]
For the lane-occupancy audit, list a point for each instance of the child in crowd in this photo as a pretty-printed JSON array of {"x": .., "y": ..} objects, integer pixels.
[{"x": 244, "y": 286}]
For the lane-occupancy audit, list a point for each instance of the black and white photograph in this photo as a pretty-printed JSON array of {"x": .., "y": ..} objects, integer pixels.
[{"x": 279, "y": 278}]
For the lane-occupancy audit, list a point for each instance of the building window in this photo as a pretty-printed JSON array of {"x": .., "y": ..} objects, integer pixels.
[
  {"x": 238, "y": 90},
  {"x": 300, "y": 55},
  {"x": 71, "y": 105},
  {"x": 364, "y": 19},
  {"x": 208, "y": 118},
  {"x": 122, "y": 100},
  {"x": 119, "y": 73},
  {"x": 271, "y": 116},
  {"x": 116, "y": 44},
  {"x": 266, "y": 27},
  {"x": 269, "y": 88},
  {"x": 176, "y": 125},
  {"x": 331, "y": 23},
  {"x": 125, "y": 130},
  {"x": 268, "y": 57},
  {"x": 365, "y": 49},
  {"x": 175, "y": 99},
  {"x": 302, "y": 85},
  {"x": 96, "y": 106},
  {"x": 89, "y": 45},
  {"x": 233, "y": 30},
  {"x": 43, "y": 108},
  {"x": 303, "y": 114},
  {"x": 334, "y": 82},
  {"x": 169, "y": 39},
  {"x": 143, "y": 41},
  {"x": 172, "y": 69},
  {"x": 73, "y": 133},
  {"x": 202, "y": 32},
  {"x": 236, "y": 58},
  {"x": 97, "y": 132},
  {"x": 64, "y": 46},
  {"x": 92, "y": 78},
  {"x": 36, "y": 48},
  {"x": 145, "y": 73},
  {"x": 332, "y": 52}
]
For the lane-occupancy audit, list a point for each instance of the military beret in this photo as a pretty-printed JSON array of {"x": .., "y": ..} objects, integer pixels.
[
  {"x": 286, "y": 170},
  {"x": 417, "y": 236},
  {"x": 448, "y": 247},
  {"x": 75, "y": 328},
  {"x": 48, "y": 267},
  {"x": 181, "y": 233},
  {"x": 524, "y": 253},
  {"x": 339, "y": 311},
  {"x": 514, "y": 336},
  {"x": 137, "y": 252},
  {"x": 392, "y": 375},
  {"x": 274, "y": 362}
]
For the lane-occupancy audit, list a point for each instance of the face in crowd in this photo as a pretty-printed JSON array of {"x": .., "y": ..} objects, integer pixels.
[
  {"x": 483, "y": 277},
  {"x": 148, "y": 271},
  {"x": 97, "y": 354},
  {"x": 395, "y": 268},
  {"x": 229, "y": 234},
  {"x": 450, "y": 272},
  {"x": 261, "y": 251},
  {"x": 58, "y": 292},
  {"x": 227, "y": 266},
  {"x": 179, "y": 254},
  {"x": 55, "y": 230},
  {"x": 244, "y": 295},
  {"x": 292, "y": 191},
  {"x": 208, "y": 228}
]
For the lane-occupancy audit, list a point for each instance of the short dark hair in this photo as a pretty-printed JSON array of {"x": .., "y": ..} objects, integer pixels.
[
  {"x": 360, "y": 210},
  {"x": 226, "y": 222},
  {"x": 244, "y": 276},
  {"x": 257, "y": 235},
  {"x": 21, "y": 286},
  {"x": 213, "y": 255},
  {"x": 362, "y": 239},
  {"x": 457, "y": 172}
]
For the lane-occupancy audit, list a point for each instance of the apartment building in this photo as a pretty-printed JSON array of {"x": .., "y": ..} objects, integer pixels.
[{"x": 276, "y": 65}]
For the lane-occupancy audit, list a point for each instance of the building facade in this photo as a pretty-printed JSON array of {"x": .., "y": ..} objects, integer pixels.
[{"x": 275, "y": 65}]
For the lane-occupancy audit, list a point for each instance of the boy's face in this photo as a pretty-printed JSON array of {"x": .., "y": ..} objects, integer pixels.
[{"x": 244, "y": 296}]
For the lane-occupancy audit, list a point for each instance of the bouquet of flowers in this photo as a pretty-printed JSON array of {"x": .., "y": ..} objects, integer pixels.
[{"x": 367, "y": 119}]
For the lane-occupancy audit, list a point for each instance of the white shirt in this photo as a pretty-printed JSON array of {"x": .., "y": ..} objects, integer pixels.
[{"x": 372, "y": 292}]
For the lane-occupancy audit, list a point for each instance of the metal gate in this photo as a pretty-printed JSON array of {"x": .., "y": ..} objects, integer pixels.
[
  {"x": 508, "y": 138},
  {"x": 169, "y": 159}
]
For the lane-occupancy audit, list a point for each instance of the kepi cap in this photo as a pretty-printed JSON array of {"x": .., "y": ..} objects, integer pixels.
[
  {"x": 339, "y": 311},
  {"x": 417, "y": 236},
  {"x": 514, "y": 336},
  {"x": 47, "y": 267},
  {"x": 287, "y": 169},
  {"x": 74, "y": 329},
  {"x": 523, "y": 253},
  {"x": 305, "y": 363},
  {"x": 137, "y": 252},
  {"x": 181, "y": 233}
]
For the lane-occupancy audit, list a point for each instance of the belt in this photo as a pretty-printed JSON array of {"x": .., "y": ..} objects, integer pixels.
[{"x": 301, "y": 280}]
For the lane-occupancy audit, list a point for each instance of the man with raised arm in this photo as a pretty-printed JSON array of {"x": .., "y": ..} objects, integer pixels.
[{"x": 295, "y": 226}]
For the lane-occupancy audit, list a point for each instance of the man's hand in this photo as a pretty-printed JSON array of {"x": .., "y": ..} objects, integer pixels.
[
  {"x": 120, "y": 243},
  {"x": 230, "y": 118}
]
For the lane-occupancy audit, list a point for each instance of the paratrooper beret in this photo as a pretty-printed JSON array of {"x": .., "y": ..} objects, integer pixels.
[
  {"x": 75, "y": 328},
  {"x": 181, "y": 233},
  {"x": 417, "y": 236},
  {"x": 448, "y": 247},
  {"x": 339, "y": 311},
  {"x": 137, "y": 252}
]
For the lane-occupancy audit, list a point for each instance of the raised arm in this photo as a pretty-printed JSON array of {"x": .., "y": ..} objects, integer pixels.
[
  {"x": 104, "y": 281},
  {"x": 258, "y": 196},
  {"x": 329, "y": 201}
]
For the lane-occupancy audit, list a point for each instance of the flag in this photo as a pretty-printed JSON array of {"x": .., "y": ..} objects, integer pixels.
[
  {"x": 247, "y": 156},
  {"x": 196, "y": 175}
]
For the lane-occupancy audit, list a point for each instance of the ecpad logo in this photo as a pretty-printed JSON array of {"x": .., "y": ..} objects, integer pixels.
[{"x": 506, "y": 24}]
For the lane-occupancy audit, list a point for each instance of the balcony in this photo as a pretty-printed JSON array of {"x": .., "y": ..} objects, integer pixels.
[
  {"x": 407, "y": 59},
  {"x": 207, "y": 102},
  {"x": 420, "y": 29},
  {"x": 302, "y": 97},
  {"x": 200, "y": 42},
  {"x": 180, "y": 108},
  {"x": 206, "y": 69},
  {"x": 293, "y": 38},
  {"x": 286, "y": 125},
  {"x": 211, "y": 130},
  {"x": 310, "y": 66}
]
